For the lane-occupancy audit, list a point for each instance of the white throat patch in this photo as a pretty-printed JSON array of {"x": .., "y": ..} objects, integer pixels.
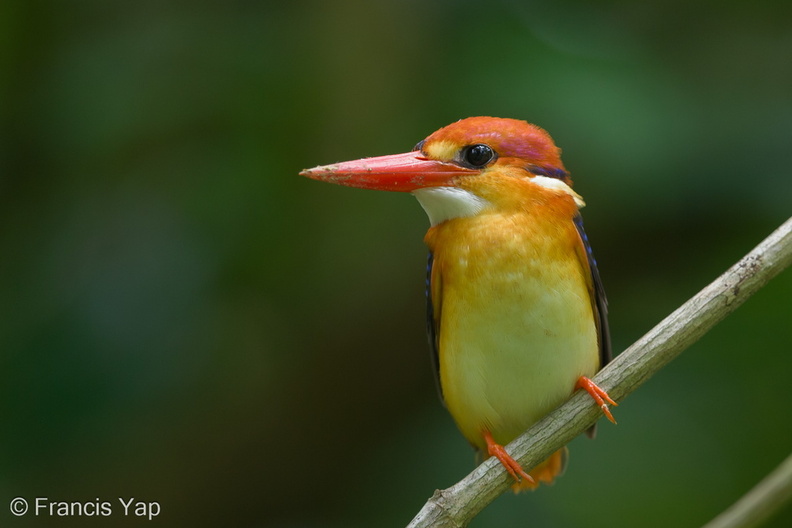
[{"x": 445, "y": 203}]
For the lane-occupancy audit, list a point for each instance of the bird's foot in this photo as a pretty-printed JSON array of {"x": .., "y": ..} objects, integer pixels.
[
  {"x": 599, "y": 395},
  {"x": 512, "y": 466}
]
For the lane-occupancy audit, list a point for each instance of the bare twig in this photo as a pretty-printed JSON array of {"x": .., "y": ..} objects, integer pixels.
[
  {"x": 457, "y": 505},
  {"x": 759, "y": 504}
]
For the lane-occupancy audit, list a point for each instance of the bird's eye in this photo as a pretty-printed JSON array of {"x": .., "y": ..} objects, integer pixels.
[{"x": 476, "y": 156}]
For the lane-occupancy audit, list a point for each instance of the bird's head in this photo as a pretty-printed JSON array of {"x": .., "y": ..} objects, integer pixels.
[{"x": 464, "y": 168}]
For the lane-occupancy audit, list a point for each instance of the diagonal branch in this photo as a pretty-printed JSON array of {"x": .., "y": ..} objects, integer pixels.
[
  {"x": 759, "y": 504},
  {"x": 456, "y": 506}
]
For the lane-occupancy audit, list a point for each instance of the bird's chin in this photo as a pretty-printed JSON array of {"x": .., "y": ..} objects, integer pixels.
[{"x": 445, "y": 203}]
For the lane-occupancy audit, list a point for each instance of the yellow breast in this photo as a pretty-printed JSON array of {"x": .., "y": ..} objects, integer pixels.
[{"x": 516, "y": 327}]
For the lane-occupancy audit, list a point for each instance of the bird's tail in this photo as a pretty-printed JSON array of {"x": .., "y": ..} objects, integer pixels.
[{"x": 545, "y": 472}]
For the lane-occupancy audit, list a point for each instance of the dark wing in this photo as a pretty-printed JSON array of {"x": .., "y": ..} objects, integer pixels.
[
  {"x": 433, "y": 320},
  {"x": 599, "y": 304},
  {"x": 599, "y": 300}
]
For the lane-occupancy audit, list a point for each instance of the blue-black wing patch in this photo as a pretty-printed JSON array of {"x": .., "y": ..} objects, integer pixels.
[
  {"x": 600, "y": 301},
  {"x": 432, "y": 326},
  {"x": 599, "y": 304}
]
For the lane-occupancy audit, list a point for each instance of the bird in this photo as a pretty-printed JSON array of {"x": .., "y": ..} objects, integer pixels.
[{"x": 516, "y": 310}]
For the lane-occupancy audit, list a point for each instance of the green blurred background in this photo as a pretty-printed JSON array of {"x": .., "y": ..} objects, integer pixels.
[{"x": 186, "y": 320}]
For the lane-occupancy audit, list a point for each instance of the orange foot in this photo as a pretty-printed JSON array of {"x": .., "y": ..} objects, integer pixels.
[
  {"x": 512, "y": 466},
  {"x": 599, "y": 395}
]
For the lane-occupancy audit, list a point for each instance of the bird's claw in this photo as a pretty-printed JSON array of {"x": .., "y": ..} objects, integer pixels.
[
  {"x": 599, "y": 395},
  {"x": 512, "y": 466}
]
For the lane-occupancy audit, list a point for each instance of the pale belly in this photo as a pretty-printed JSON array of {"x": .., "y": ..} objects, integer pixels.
[{"x": 513, "y": 345}]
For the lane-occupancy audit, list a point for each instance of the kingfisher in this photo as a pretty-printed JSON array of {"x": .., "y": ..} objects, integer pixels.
[{"x": 516, "y": 311}]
